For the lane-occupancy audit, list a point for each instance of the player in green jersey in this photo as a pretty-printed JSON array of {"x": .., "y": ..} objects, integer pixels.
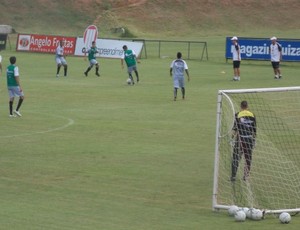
[
  {"x": 14, "y": 87},
  {"x": 92, "y": 59},
  {"x": 131, "y": 60}
]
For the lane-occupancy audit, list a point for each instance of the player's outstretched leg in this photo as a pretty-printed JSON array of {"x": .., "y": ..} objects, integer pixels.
[
  {"x": 97, "y": 70},
  {"x": 65, "y": 70},
  {"x": 131, "y": 78},
  {"x": 137, "y": 76},
  {"x": 88, "y": 70},
  {"x": 21, "y": 99},
  {"x": 57, "y": 70}
]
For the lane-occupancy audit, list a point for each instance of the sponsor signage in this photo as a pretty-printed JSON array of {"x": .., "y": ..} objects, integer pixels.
[
  {"x": 258, "y": 49},
  {"x": 109, "y": 48},
  {"x": 44, "y": 43}
]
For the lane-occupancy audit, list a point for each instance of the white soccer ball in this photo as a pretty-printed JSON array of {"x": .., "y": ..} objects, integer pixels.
[
  {"x": 128, "y": 81},
  {"x": 249, "y": 213},
  {"x": 240, "y": 216},
  {"x": 245, "y": 210},
  {"x": 232, "y": 210},
  {"x": 285, "y": 218},
  {"x": 256, "y": 214}
]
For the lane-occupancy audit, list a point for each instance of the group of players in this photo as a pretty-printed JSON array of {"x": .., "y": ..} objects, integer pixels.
[
  {"x": 177, "y": 69},
  {"x": 129, "y": 57},
  {"x": 275, "y": 55}
]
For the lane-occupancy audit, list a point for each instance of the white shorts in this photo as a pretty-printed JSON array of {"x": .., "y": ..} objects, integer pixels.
[
  {"x": 60, "y": 61},
  {"x": 178, "y": 82},
  {"x": 93, "y": 62},
  {"x": 131, "y": 68},
  {"x": 14, "y": 91}
]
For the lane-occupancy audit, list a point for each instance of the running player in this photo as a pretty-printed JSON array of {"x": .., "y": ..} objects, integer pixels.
[
  {"x": 177, "y": 69},
  {"x": 60, "y": 59},
  {"x": 276, "y": 57},
  {"x": 131, "y": 60},
  {"x": 92, "y": 59},
  {"x": 14, "y": 87}
]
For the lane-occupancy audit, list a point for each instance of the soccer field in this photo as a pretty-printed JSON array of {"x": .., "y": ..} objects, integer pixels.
[{"x": 95, "y": 153}]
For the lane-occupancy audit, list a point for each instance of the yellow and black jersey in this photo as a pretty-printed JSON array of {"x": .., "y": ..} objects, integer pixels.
[{"x": 245, "y": 124}]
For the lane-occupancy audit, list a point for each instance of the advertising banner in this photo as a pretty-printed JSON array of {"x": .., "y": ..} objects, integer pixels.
[
  {"x": 44, "y": 43},
  {"x": 258, "y": 49},
  {"x": 3, "y": 38},
  {"x": 109, "y": 48}
]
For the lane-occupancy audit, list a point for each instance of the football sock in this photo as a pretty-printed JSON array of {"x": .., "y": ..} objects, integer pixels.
[
  {"x": 137, "y": 75},
  {"x": 88, "y": 69},
  {"x": 19, "y": 104},
  {"x": 11, "y": 107},
  {"x": 65, "y": 70},
  {"x": 58, "y": 69},
  {"x": 130, "y": 76},
  {"x": 183, "y": 92}
]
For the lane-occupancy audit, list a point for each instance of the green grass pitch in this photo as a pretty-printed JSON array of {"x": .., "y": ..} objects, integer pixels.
[{"x": 95, "y": 153}]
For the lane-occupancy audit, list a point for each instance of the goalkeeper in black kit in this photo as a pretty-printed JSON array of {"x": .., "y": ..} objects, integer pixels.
[{"x": 244, "y": 133}]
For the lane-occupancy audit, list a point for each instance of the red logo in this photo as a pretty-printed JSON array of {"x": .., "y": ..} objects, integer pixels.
[{"x": 24, "y": 42}]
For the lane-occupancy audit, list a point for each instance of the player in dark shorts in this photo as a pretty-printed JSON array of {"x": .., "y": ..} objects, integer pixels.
[{"x": 244, "y": 132}]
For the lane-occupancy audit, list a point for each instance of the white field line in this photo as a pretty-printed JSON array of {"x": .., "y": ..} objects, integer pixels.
[{"x": 69, "y": 123}]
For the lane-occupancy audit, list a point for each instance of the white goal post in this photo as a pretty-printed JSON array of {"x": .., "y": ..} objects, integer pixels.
[{"x": 273, "y": 184}]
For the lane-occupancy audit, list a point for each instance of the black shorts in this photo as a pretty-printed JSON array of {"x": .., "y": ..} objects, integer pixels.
[
  {"x": 275, "y": 64},
  {"x": 236, "y": 64}
]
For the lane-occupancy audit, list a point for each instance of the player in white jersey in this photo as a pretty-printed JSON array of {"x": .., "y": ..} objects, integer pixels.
[
  {"x": 236, "y": 58},
  {"x": 276, "y": 57},
  {"x": 177, "y": 69},
  {"x": 60, "y": 59}
]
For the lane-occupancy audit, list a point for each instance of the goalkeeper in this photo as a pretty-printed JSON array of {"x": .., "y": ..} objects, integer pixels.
[{"x": 244, "y": 132}]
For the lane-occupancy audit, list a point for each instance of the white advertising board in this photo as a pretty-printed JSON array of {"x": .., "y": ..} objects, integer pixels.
[{"x": 109, "y": 48}]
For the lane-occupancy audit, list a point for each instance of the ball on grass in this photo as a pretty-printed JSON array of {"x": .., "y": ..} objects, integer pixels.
[
  {"x": 285, "y": 218},
  {"x": 232, "y": 210},
  {"x": 240, "y": 216}
]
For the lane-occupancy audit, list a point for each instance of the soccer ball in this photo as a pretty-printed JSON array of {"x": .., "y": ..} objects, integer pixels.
[
  {"x": 246, "y": 211},
  {"x": 249, "y": 213},
  {"x": 256, "y": 214},
  {"x": 240, "y": 216},
  {"x": 285, "y": 218},
  {"x": 232, "y": 210},
  {"x": 128, "y": 81}
]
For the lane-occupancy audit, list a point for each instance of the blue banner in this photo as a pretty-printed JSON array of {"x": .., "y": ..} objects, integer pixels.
[{"x": 258, "y": 49}]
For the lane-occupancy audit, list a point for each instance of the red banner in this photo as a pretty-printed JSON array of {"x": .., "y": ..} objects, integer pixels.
[{"x": 45, "y": 43}]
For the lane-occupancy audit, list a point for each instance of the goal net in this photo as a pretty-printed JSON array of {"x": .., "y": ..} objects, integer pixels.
[{"x": 273, "y": 183}]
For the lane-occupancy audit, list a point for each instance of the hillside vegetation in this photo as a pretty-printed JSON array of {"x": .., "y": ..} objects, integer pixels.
[{"x": 151, "y": 17}]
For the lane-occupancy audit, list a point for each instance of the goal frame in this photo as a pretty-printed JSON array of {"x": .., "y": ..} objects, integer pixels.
[{"x": 221, "y": 93}]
